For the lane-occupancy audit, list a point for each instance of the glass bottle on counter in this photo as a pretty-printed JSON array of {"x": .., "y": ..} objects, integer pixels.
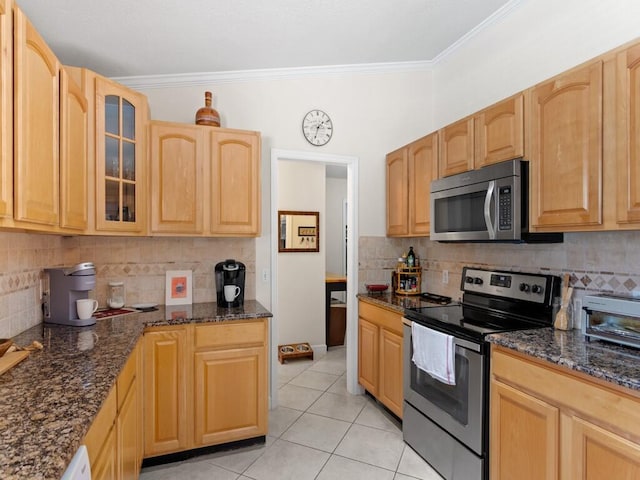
[{"x": 411, "y": 258}]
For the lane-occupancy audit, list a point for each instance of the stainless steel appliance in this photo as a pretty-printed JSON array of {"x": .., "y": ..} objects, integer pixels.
[
  {"x": 66, "y": 285},
  {"x": 488, "y": 204},
  {"x": 448, "y": 425},
  {"x": 614, "y": 318},
  {"x": 229, "y": 272}
]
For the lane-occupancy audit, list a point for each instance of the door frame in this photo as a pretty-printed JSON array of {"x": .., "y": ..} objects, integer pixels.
[{"x": 351, "y": 162}]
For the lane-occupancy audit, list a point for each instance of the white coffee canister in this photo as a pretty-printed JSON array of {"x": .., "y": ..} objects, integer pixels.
[{"x": 116, "y": 295}]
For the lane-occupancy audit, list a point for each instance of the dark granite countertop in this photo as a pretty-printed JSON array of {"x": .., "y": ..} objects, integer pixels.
[
  {"x": 49, "y": 400},
  {"x": 393, "y": 301},
  {"x": 613, "y": 363}
]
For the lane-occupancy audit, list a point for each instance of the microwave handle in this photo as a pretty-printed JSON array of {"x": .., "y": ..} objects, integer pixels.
[{"x": 491, "y": 228}]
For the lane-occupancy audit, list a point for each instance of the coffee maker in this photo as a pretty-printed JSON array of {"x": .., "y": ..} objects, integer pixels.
[
  {"x": 229, "y": 273},
  {"x": 66, "y": 285}
]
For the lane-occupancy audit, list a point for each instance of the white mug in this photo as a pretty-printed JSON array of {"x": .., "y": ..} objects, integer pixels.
[
  {"x": 231, "y": 292},
  {"x": 86, "y": 307}
]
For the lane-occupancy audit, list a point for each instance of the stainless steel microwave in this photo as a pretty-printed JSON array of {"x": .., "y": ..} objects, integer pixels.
[{"x": 485, "y": 205}]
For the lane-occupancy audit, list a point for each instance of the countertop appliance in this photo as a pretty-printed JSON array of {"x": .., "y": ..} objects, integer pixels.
[
  {"x": 614, "y": 318},
  {"x": 230, "y": 273},
  {"x": 448, "y": 425},
  {"x": 484, "y": 205},
  {"x": 66, "y": 285}
]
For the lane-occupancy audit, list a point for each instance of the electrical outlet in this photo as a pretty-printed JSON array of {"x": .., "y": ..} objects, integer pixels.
[{"x": 445, "y": 276}]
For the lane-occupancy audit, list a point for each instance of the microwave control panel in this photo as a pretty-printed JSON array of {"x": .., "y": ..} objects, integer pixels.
[{"x": 505, "y": 219}]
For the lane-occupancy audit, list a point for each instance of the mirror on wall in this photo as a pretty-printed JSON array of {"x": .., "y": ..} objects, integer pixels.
[{"x": 298, "y": 231}]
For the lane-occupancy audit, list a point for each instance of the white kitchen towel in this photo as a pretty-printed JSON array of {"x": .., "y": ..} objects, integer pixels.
[{"x": 434, "y": 353}]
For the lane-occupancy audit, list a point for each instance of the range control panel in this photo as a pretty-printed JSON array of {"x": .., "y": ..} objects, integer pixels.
[{"x": 509, "y": 285}]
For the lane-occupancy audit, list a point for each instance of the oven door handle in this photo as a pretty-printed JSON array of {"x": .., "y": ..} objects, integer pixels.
[
  {"x": 459, "y": 342},
  {"x": 491, "y": 227}
]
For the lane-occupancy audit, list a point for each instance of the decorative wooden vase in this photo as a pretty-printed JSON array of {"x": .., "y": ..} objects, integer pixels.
[{"x": 207, "y": 115}]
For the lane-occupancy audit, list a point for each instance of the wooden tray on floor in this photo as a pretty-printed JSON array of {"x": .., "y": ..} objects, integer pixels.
[
  {"x": 9, "y": 360},
  {"x": 294, "y": 350}
]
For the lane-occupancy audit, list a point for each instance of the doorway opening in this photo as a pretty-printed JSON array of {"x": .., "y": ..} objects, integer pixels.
[{"x": 351, "y": 342}]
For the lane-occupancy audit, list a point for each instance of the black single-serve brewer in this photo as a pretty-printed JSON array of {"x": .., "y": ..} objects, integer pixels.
[{"x": 230, "y": 283}]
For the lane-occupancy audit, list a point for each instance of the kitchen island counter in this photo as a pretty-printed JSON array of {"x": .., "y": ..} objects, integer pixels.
[
  {"x": 50, "y": 399},
  {"x": 613, "y": 363}
]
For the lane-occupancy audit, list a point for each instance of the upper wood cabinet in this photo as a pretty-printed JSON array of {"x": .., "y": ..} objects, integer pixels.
[
  {"x": 499, "y": 132},
  {"x": 410, "y": 171},
  {"x": 423, "y": 169},
  {"x": 178, "y": 157},
  {"x": 36, "y": 121},
  {"x": 6, "y": 110},
  {"x": 120, "y": 158},
  {"x": 565, "y": 150},
  {"x": 628, "y": 135},
  {"x": 457, "y": 147},
  {"x": 397, "y": 193},
  {"x": 73, "y": 154},
  {"x": 204, "y": 181},
  {"x": 235, "y": 183}
]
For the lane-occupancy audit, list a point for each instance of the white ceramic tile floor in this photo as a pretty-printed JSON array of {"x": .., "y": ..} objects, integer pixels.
[{"x": 318, "y": 432}]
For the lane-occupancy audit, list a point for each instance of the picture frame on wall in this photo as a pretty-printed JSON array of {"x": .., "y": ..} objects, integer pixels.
[{"x": 179, "y": 287}]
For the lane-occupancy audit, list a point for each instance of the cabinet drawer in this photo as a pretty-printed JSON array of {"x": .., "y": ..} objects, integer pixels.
[
  {"x": 101, "y": 426},
  {"x": 381, "y": 317},
  {"x": 229, "y": 334},
  {"x": 126, "y": 376},
  {"x": 607, "y": 405}
]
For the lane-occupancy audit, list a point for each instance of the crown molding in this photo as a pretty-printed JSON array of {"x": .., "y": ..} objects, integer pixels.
[
  {"x": 207, "y": 78},
  {"x": 235, "y": 76}
]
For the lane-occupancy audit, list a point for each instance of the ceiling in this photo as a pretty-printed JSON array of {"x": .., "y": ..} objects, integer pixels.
[{"x": 119, "y": 38}]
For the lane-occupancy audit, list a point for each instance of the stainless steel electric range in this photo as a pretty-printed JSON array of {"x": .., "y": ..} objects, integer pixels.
[{"x": 448, "y": 425}]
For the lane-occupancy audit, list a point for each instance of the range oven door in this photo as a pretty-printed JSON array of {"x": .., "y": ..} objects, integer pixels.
[{"x": 458, "y": 409}]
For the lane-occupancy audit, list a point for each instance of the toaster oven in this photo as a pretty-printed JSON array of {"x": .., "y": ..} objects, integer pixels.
[{"x": 612, "y": 318}]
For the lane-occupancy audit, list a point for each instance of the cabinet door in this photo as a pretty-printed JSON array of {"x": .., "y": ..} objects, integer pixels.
[
  {"x": 456, "y": 148},
  {"x": 628, "y": 135},
  {"x": 566, "y": 149},
  {"x": 177, "y": 177},
  {"x": 368, "y": 344},
  {"x": 73, "y": 154},
  {"x": 166, "y": 387},
  {"x": 390, "y": 371},
  {"x": 500, "y": 132},
  {"x": 6, "y": 111},
  {"x": 120, "y": 158},
  {"x": 105, "y": 467},
  {"x": 397, "y": 193},
  {"x": 423, "y": 169},
  {"x": 36, "y": 76},
  {"x": 230, "y": 395},
  {"x": 597, "y": 453},
  {"x": 127, "y": 424},
  {"x": 235, "y": 183},
  {"x": 524, "y": 436}
]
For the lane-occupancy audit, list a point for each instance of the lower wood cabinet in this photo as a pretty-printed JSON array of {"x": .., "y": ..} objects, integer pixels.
[
  {"x": 205, "y": 385},
  {"x": 380, "y": 354},
  {"x": 550, "y": 423},
  {"x": 113, "y": 439}
]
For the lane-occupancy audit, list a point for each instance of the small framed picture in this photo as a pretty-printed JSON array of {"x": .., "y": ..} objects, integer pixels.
[{"x": 179, "y": 287}]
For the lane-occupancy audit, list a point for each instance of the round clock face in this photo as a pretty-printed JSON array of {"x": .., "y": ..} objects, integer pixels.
[{"x": 317, "y": 127}]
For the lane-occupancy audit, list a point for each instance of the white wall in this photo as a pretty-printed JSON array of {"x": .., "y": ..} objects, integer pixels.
[
  {"x": 334, "y": 225},
  {"x": 301, "y": 279},
  {"x": 535, "y": 41}
]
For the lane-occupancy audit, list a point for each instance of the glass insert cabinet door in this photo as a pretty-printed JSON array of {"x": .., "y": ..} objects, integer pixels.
[{"x": 119, "y": 157}]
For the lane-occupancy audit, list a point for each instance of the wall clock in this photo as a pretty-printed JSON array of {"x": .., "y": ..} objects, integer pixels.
[{"x": 317, "y": 127}]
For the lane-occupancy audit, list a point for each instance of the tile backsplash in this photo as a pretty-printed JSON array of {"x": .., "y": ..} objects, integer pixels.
[
  {"x": 140, "y": 263},
  {"x": 597, "y": 261}
]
